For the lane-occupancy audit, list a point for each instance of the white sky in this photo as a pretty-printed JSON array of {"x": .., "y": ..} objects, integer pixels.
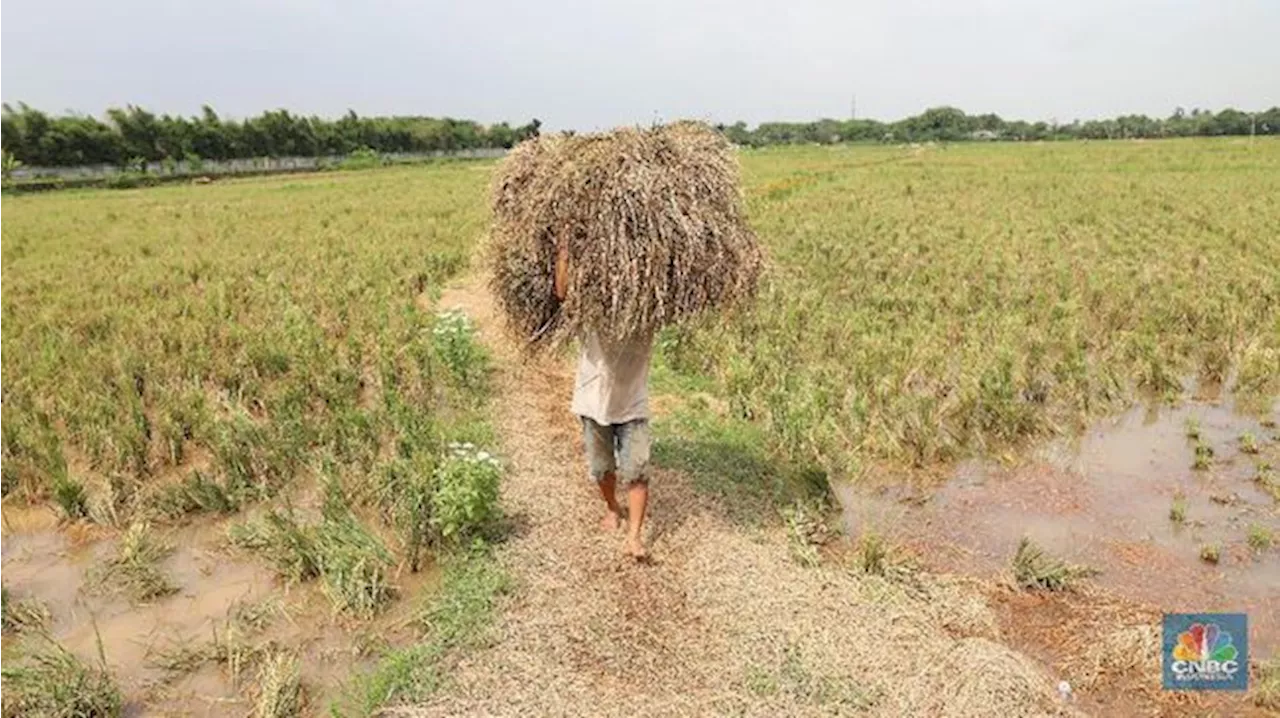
[{"x": 593, "y": 63}]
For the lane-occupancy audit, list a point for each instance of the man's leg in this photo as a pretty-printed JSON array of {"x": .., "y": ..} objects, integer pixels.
[
  {"x": 613, "y": 513},
  {"x": 602, "y": 465},
  {"x": 633, "y": 459},
  {"x": 637, "y": 501}
]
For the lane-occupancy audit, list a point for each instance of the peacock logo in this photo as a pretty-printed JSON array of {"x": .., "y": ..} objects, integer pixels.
[{"x": 1205, "y": 652}]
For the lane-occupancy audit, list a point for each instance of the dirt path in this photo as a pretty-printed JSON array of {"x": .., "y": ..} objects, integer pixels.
[{"x": 723, "y": 622}]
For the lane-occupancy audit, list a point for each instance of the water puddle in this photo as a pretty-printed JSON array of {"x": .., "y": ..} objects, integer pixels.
[
  {"x": 48, "y": 563},
  {"x": 1104, "y": 500}
]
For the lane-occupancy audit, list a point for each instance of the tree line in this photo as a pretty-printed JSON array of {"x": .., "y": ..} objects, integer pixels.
[
  {"x": 130, "y": 136},
  {"x": 948, "y": 124},
  {"x": 126, "y": 137}
]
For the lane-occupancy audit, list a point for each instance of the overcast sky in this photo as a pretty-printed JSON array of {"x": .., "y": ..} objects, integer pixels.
[{"x": 593, "y": 63}]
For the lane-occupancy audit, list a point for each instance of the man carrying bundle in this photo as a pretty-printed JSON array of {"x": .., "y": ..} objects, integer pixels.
[
  {"x": 605, "y": 239},
  {"x": 611, "y": 396}
]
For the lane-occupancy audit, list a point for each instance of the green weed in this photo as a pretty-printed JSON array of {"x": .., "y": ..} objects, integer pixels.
[
  {"x": 807, "y": 530},
  {"x": 1248, "y": 443},
  {"x": 454, "y": 340},
  {"x": 1203, "y": 456},
  {"x": 456, "y": 618},
  {"x": 352, "y": 564},
  {"x": 1265, "y": 477},
  {"x": 52, "y": 683},
  {"x": 70, "y": 496},
  {"x": 1259, "y": 537},
  {"x": 464, "y": 499},
  {"x": 279, "y": 538},
  {"x": 197, "y": 493},
  {"x": 22, "y": 614},
  {"x": 1178, "y": 511},
  {"x": 1211, "y": 553},
  {"x": 727, "y": 458},
  {"x": 873, "y": 553},
  {"x": 1034, "y": 569}
]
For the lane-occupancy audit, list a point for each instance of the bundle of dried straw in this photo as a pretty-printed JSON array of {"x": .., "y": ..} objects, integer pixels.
[{"x": 652, "y": 222}]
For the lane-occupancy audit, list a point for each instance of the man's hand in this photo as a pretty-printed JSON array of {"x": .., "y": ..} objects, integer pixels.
[{"x": 562, "y": 269}]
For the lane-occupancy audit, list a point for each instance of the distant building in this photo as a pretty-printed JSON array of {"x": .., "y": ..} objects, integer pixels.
[{"x": 984, "y": 135}]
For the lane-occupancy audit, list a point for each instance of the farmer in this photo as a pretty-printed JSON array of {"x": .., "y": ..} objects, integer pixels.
[{"x": 611, "y": 396}]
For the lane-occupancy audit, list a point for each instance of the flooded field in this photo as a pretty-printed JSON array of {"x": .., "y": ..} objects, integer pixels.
[
  {"x": 189, "y": 653},
  {"x": 1129, "y": 498}
]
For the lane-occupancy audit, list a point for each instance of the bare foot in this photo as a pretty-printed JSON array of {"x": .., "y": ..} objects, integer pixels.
[
  {"x": 635, "y": 549},
  {"x": 610, "y": 521}
]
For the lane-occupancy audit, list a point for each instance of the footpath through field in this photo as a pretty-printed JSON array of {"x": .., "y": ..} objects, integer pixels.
[{"x": 724, "y": 621}]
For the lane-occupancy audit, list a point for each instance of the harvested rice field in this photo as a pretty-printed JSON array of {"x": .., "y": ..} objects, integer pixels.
[{"x": 268, "y": 449}]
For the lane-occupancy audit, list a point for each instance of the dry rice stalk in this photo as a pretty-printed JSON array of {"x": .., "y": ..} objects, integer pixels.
[
  {"x": 976, "y": 677},
  {"x": 1119, "y": 651},
  {"x": 652, "y": 221}
]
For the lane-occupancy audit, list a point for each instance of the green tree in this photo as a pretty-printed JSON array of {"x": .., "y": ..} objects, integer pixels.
[{"x": 8, "y": 163}]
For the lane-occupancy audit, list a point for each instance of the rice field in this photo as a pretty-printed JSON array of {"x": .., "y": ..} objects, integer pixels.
[
  {"x": 263, "y": 357},
  {"x": 256, "y": 369},
  {"x": 933, "y": 303}
]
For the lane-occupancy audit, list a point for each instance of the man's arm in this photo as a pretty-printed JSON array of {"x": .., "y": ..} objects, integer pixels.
[{"x": 562, "y": 270}]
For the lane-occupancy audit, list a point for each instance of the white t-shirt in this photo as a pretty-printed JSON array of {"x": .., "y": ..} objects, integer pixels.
[{"x": 612, "y": 386}]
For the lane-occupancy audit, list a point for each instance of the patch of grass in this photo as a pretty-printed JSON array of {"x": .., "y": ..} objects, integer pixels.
[
  {"x": 351, "y": 562},
  {"x": 22, "y": 614},
  {"x": 1249, "y": 443},
  {"x": 70, "y": 497},
  {"x": 1265, "y": 477},
  {"x": 1178, "y": 511},
  {"x": 872, "y": 553},
  {"x": 1034, "y": 569},
  {"x": 807, "y": 530},
  {"x": 279, "y": 689},
  {"x": 1211, "y": 553},
  {"x": 135, "y": 568},
  {"x": 454, "y": 340},
  {"x": 1259, "y": 538},
  {"x": 1203, "y": 456},
  {"x": 279, "y": 538},
  {"x": 455, "y": 619},
  {"x": 197, "y": 493},
  {"x": 354, "y": 566},
  {"x": 52, "y": 683},
  {"x": 727, "y": 458},
  {"x": 464, "y": 498}
]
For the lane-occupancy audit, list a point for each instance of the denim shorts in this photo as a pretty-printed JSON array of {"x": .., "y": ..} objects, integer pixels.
[{"x": 619, "y": 448}]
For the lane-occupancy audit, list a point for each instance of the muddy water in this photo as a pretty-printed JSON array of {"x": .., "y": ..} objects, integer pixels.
[
  {"x": 1104, "y": 500},
  {"x": 47, "y": 562}
]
